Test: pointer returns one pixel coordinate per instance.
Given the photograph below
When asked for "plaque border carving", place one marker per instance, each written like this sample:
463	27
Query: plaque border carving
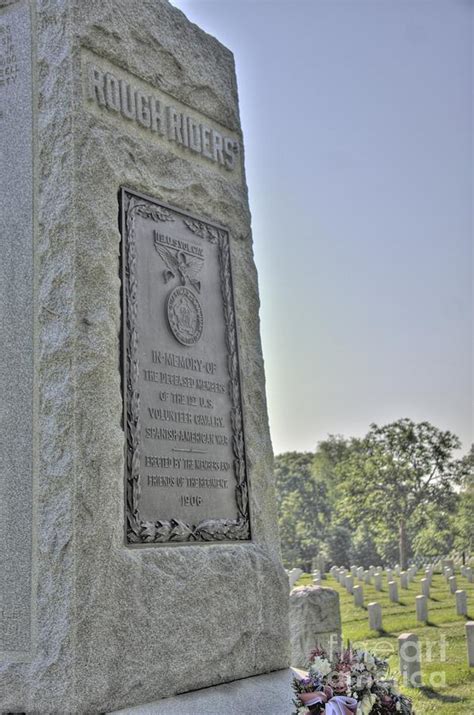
174	531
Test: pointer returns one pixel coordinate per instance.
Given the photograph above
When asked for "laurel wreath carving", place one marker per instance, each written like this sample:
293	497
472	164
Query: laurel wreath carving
138	530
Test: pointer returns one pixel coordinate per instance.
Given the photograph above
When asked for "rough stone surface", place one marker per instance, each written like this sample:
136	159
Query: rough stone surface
16	319
315	619
271	692
118	626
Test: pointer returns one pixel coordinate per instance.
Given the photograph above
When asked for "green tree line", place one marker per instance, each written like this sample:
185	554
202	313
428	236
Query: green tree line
398	494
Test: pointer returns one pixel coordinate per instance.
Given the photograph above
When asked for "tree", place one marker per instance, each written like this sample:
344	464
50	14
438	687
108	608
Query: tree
398	470
464	525
303	509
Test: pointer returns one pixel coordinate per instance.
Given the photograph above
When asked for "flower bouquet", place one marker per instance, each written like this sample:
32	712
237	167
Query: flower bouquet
351	683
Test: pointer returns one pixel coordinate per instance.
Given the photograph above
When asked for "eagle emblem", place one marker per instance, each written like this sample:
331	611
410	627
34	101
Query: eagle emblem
179	265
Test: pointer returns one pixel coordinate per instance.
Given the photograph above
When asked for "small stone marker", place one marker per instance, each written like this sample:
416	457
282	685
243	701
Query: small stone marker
378	581
317	581
404	579
448	563
360	573
461	603
397	570
393	591
349	583
421	609
375	616
371	570
409	656
468	573
293	576
425	587
358	596
389	574
367	577
447	574
354	571
453	587
470	643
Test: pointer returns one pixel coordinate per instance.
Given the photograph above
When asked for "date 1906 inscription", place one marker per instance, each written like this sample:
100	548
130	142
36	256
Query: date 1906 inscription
186	476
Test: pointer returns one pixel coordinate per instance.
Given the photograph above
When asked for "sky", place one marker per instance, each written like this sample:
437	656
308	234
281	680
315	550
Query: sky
357	120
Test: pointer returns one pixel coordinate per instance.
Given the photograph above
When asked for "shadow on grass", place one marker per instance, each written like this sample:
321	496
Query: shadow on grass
431	624
432	694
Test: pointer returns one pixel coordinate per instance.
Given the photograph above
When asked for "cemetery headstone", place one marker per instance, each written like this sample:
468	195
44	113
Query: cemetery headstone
470	643
404	579
452	582
425	587
293	576
461	603
358	596
349	583
378	581
410	659
315	620
393	591
367	577
375	616
140	509
421	609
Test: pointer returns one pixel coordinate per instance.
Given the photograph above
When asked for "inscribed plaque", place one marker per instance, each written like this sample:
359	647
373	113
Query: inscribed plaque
186	476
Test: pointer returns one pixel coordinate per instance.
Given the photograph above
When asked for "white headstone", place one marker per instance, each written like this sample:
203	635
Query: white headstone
452	584
378	581
349	583
404	579
425	587
358	596
375	616
421	609
367	577
393	591
461	603
470	643
409	657
293	576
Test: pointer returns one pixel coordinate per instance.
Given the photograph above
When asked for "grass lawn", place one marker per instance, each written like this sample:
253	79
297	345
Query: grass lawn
448	683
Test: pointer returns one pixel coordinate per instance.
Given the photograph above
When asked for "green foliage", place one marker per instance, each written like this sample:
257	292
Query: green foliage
303	508
396	494
399	470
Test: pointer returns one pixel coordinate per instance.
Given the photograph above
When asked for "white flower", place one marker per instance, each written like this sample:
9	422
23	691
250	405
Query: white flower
369	660
320	666
366	704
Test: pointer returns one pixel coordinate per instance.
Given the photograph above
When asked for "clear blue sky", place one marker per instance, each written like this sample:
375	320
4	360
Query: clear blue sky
357	119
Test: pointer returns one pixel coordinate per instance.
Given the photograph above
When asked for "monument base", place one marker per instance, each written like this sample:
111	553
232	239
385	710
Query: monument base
268	694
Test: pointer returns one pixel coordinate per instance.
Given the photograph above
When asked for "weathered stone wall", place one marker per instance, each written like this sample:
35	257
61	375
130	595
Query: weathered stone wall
117	626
